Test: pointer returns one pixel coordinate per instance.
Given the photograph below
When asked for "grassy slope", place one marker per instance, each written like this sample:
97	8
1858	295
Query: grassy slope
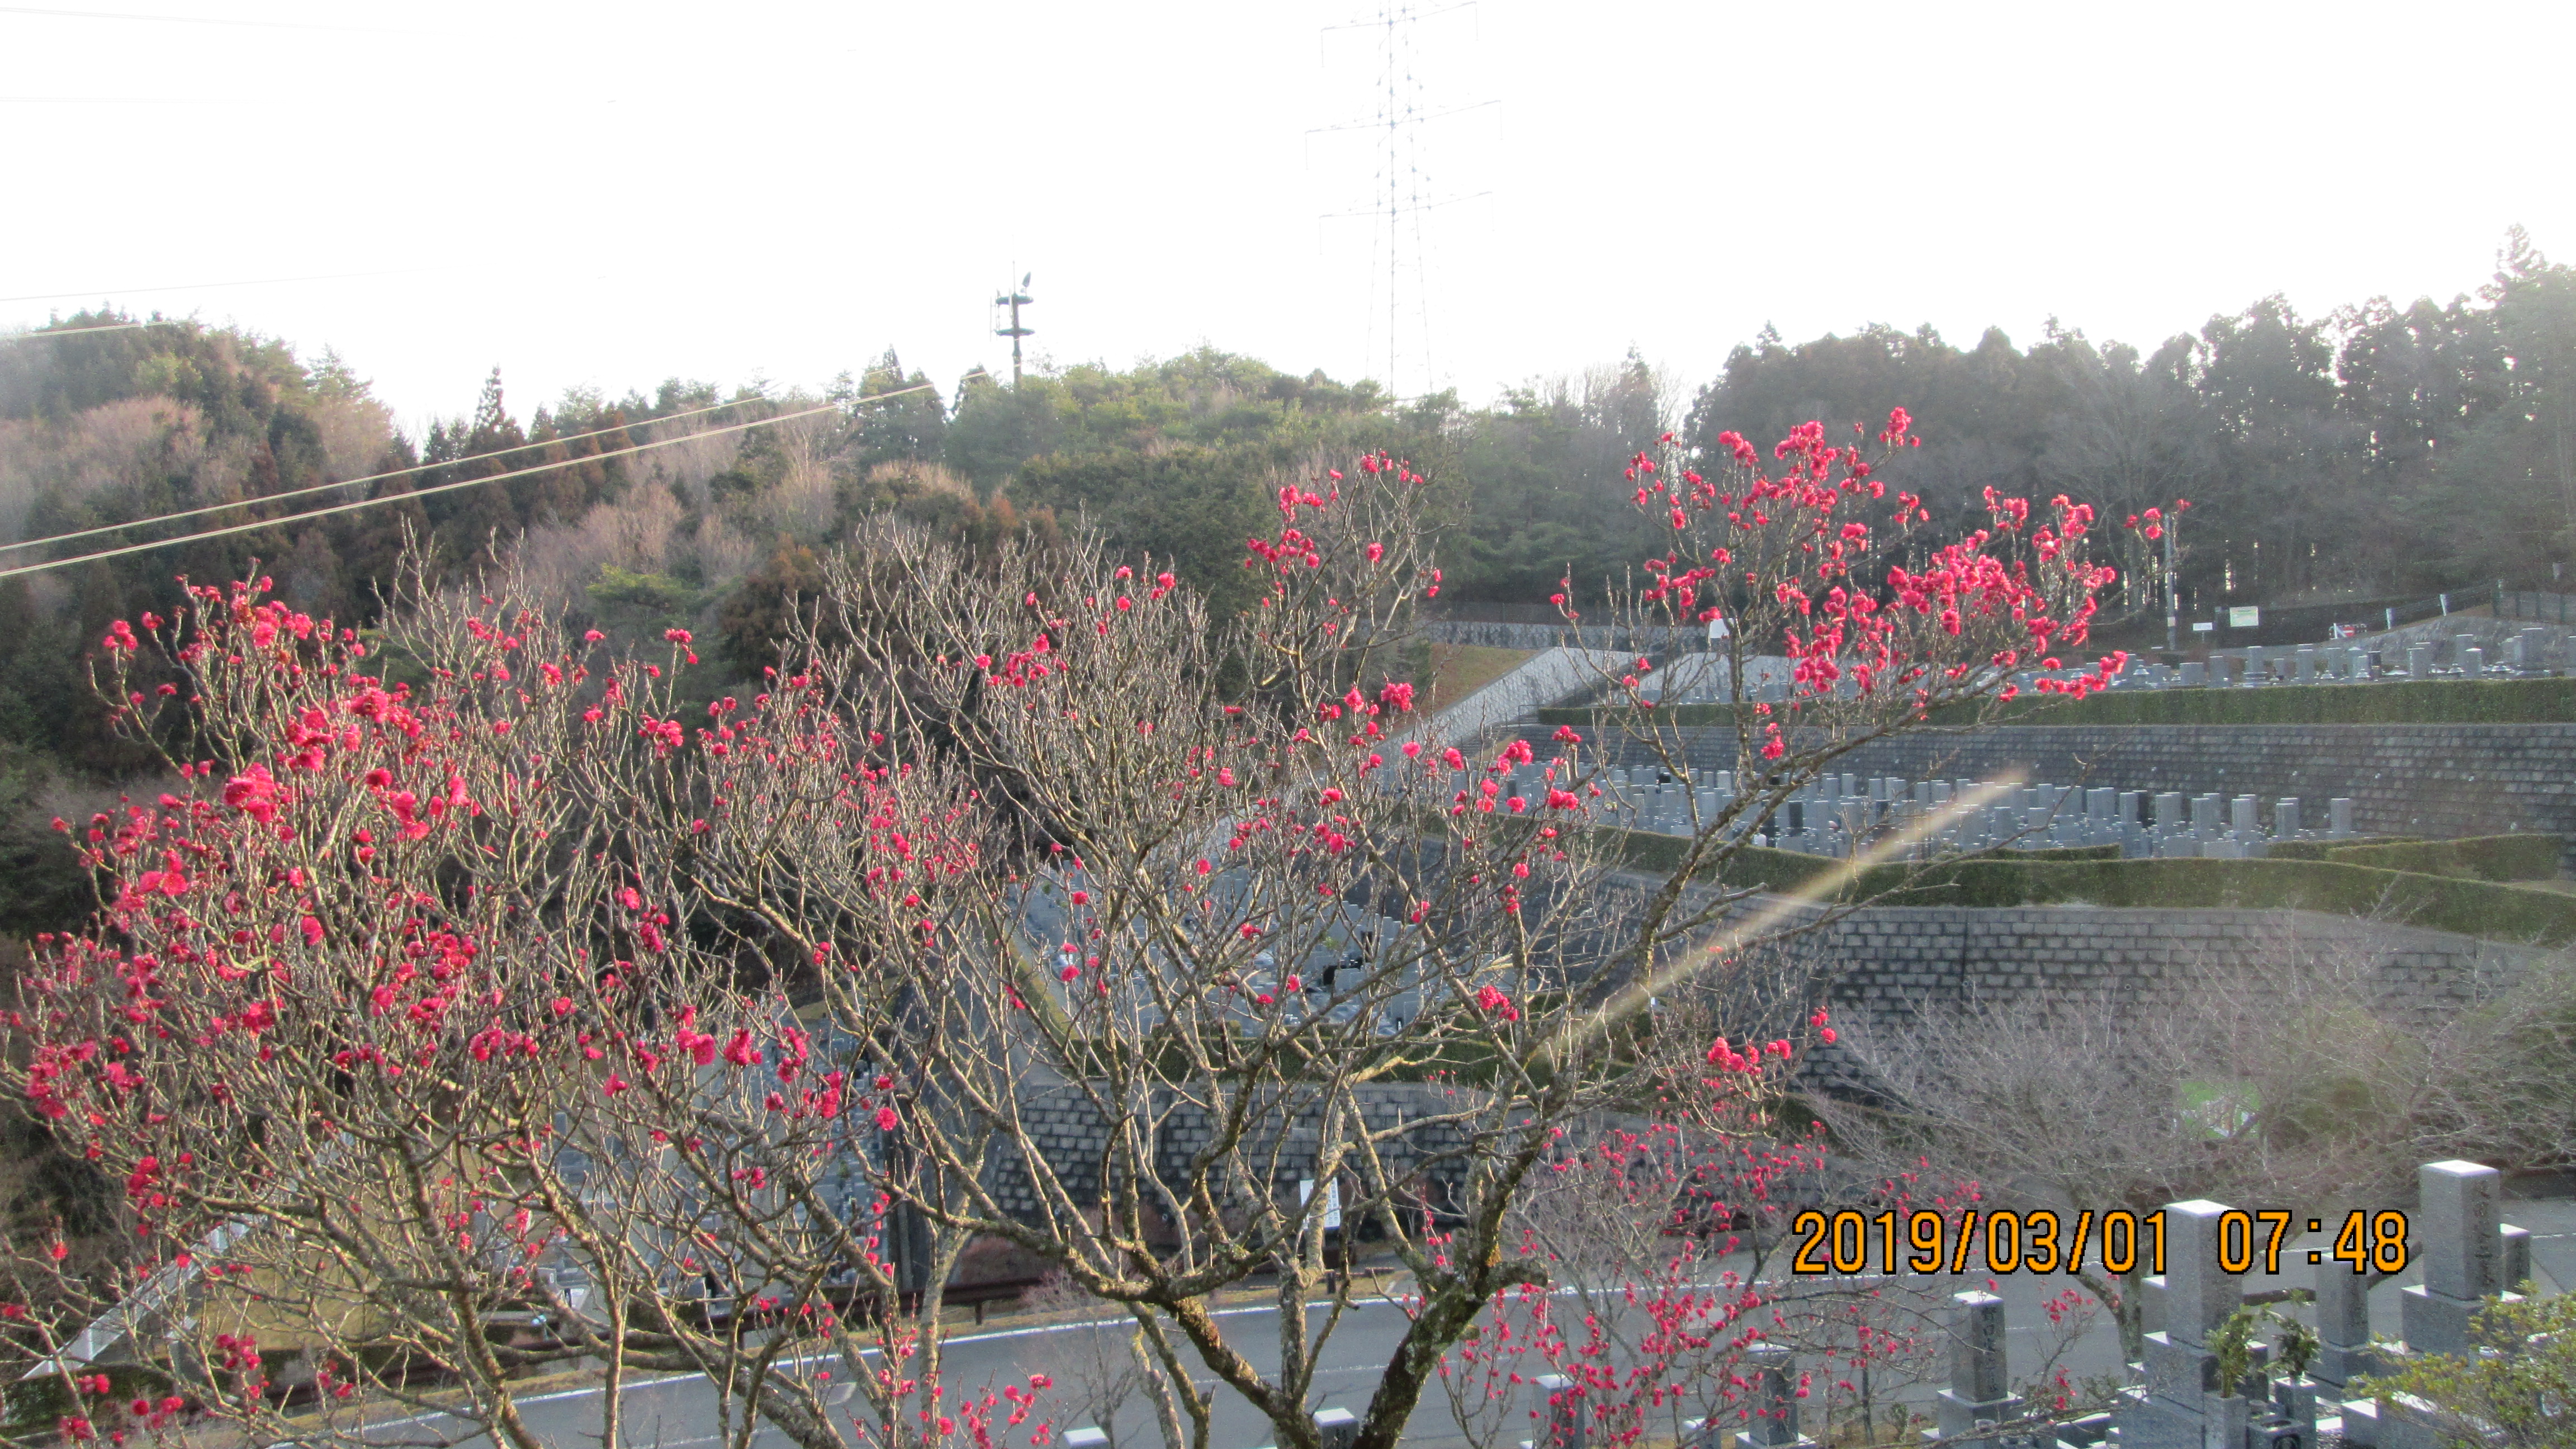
1459	670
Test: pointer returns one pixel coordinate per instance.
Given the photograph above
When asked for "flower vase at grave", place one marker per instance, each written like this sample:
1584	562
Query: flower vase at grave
2228	1418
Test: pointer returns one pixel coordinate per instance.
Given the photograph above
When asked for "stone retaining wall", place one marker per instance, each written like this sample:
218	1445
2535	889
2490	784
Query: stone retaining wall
1895	960
1074	1139
1890	962
1656	642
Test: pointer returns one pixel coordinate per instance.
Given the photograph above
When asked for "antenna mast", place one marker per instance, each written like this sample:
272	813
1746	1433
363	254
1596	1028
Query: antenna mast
1015	299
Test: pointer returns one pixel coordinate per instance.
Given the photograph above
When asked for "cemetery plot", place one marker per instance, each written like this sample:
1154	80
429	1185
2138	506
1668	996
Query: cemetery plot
2207	1377
1841	816
2533	652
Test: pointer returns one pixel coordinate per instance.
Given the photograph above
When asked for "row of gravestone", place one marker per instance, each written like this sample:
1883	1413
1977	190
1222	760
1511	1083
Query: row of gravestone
1840	815
2178	1402
2533	652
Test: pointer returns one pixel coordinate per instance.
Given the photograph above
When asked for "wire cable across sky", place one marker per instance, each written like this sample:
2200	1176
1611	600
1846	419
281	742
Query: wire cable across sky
209	286
371	477
252	527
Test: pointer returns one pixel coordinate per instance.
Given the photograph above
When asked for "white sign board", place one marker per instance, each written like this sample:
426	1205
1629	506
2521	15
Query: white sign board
2203	626
1332	1201
2244	618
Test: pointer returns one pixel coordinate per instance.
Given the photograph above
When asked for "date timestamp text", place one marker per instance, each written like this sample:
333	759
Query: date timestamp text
1999	1243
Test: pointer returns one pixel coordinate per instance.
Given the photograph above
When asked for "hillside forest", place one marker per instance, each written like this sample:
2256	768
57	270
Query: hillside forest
2382	450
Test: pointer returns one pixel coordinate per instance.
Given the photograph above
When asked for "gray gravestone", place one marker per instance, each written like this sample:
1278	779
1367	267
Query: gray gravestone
2458	1227
2178	1406
2513	1256
1979	1390
1560	1413
1773	1370
2205	813
2462	1255
2343	1323
2198	1297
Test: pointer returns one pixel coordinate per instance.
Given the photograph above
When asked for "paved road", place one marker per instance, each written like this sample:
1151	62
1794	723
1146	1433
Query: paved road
679	1411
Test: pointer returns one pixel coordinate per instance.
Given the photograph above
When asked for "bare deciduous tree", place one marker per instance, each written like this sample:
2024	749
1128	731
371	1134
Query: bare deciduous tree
505	1019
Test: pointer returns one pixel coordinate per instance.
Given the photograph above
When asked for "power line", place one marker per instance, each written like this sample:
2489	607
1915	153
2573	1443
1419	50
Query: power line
1408	208
36	332
207	286
193	20
137	101
1382	20
425	492
369	478
1372	125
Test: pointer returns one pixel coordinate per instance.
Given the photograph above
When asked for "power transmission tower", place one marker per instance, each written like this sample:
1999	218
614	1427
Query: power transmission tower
1401	185
1015	299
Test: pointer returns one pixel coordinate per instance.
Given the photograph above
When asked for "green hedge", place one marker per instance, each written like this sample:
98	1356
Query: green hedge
2525	856
2325	849
2436	902
1790	870
2498	701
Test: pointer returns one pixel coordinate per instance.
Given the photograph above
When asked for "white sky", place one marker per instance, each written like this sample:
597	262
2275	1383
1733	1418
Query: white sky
609	194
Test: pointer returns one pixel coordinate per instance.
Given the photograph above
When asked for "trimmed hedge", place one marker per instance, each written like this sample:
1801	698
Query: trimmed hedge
1790	870
2325	849
2435	902
2526	856
2497	701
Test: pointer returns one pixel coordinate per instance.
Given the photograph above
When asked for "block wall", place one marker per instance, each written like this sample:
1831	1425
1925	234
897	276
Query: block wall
1892	961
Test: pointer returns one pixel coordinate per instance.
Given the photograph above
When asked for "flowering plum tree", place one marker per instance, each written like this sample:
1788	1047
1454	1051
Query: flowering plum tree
1836	620
464	1010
